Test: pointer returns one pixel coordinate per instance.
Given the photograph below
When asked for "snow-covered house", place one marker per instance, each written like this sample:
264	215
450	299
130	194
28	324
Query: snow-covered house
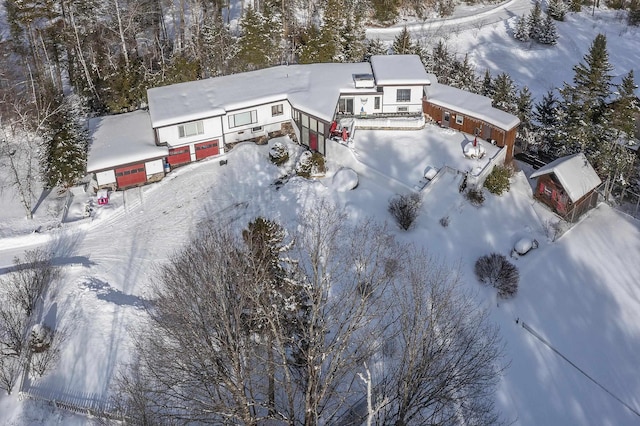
567	185
470	113
123	152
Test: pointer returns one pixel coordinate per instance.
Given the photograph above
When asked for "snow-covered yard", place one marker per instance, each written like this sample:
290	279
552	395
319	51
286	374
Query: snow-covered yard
579	292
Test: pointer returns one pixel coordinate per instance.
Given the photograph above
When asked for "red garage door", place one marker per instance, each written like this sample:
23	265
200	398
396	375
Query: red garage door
207	149
179	156
131	175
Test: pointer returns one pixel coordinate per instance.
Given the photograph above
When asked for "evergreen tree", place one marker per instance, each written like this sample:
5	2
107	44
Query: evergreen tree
545	115
65	151
548	32
255	44
504	95
534	21
633	17
402	44
464	76
217	47
586	116
521	31
626	107
524	106
557	9
487	88
385	11
353	41
374	47
442	62
309	50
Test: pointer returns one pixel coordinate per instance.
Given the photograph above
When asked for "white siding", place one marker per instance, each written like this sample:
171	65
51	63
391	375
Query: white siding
154	167
106	177
212	130
391	105
265	122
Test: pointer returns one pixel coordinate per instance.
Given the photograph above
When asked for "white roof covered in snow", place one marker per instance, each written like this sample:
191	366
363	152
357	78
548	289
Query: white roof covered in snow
575	174
121	139
390	70
469	104
314	88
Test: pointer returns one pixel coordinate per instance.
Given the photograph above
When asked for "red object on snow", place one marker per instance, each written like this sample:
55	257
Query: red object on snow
345	134
475	141
334	126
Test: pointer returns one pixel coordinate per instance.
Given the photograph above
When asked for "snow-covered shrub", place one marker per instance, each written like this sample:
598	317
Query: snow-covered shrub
444	221
498	180
554	229
475	196
405	209
494	269
557	9
310	164
278	154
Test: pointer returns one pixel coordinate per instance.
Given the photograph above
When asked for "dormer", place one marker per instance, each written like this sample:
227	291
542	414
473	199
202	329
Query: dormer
364	81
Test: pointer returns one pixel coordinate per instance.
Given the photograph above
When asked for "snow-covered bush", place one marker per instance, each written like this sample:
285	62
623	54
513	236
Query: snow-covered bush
475	196
310	164
278	154
444	221
405	209
498	180
494	269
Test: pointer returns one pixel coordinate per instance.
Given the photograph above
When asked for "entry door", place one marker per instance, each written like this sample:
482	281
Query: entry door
446	117
486	132
313	141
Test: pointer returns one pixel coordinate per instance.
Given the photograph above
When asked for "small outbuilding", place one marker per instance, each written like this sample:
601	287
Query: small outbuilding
567	185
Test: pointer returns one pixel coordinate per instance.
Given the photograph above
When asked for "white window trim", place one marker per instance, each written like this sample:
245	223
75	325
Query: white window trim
401	99
277	110
459	119
192	128
252	115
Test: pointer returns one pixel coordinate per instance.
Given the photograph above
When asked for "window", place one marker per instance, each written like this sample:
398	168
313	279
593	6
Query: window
376	102
403	109
256	129
243	118
459	119
190	129
345	105
403	95
276	110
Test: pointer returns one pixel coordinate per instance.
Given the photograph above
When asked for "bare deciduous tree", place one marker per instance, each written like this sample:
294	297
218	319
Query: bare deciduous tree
242	334
444	360
494	269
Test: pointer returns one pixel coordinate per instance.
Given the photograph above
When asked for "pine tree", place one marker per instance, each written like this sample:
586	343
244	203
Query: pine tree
545	115
521	32
557	9
442	62
534	21
66	150
626	107
255	44
374	47
402	44
504	95
309	50
217	47
353	41
487	87
464	76
548	32
524	106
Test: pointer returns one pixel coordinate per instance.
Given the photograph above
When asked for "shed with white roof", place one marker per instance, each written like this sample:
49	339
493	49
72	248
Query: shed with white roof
567	185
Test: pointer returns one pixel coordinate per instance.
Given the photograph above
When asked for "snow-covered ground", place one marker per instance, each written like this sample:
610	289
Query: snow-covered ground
580	293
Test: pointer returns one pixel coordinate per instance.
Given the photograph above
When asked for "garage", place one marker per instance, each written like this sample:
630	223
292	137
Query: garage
207	149
131	175
178	156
